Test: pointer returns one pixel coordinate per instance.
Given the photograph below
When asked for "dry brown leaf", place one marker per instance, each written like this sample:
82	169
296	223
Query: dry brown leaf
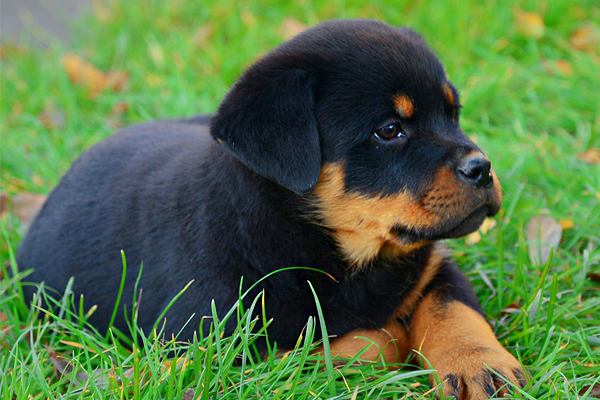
566	224
564	67
487	225
590	156
473	237
114	118
530	24
202	35
51	117
188	394
594	394
63	368
542	233
512	308
4	328
594	277
86	74
25	206
3	203
290	27
585	38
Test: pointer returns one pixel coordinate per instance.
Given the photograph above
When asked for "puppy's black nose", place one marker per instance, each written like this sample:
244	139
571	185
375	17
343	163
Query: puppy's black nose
476	170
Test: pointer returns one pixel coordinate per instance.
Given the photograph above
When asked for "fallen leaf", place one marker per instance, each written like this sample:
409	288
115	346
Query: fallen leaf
25	206
487	225
120	108
10	49
102	379
15	330
585	38
542	233
202	35
590	156
63	368
594	393
77	345
83	73
290	27
51	117
3	203
564	67
188	394
530	24
114	118
594	277
473	237
512	308
566	224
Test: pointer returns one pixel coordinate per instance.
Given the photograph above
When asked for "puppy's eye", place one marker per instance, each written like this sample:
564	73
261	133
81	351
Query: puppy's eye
455	113
389	131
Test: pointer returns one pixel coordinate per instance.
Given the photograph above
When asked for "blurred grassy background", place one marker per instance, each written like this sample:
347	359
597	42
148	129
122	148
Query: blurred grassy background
528	73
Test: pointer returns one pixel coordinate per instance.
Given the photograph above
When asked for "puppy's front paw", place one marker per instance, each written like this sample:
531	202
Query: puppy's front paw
455	340
478	373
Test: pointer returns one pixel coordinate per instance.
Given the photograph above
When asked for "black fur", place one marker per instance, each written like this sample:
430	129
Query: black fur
190	207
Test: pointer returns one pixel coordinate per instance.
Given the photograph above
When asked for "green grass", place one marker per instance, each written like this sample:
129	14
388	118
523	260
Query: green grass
531	118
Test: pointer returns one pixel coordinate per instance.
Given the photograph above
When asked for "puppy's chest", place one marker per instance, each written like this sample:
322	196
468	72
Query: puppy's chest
371	296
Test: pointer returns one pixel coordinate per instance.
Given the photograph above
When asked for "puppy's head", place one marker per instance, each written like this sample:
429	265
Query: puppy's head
359	117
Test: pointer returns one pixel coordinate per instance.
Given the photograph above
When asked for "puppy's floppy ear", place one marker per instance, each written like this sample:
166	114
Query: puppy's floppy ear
267	120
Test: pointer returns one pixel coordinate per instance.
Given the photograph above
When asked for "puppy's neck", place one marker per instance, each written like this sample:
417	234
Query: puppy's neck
363	226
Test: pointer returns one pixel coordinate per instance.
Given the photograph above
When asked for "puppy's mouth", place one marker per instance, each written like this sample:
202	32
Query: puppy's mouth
463	227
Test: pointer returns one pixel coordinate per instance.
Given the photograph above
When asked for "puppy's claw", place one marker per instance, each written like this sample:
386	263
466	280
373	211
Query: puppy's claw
485	384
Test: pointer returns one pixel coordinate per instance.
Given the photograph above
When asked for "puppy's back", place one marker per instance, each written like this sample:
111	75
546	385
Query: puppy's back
101	207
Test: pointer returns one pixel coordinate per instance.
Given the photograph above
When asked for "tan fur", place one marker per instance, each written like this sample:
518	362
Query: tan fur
362	225
457	340
449	95
389	344
404	106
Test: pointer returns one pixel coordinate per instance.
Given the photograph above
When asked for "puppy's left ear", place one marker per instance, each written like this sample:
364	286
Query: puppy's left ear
268	122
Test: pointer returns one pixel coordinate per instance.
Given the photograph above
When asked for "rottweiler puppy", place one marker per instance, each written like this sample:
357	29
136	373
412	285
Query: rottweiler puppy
340	151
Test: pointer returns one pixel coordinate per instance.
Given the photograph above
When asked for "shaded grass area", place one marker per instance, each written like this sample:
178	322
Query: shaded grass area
531	103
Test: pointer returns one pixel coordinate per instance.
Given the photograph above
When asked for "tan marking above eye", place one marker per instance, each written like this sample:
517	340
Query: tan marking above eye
449	94
404	106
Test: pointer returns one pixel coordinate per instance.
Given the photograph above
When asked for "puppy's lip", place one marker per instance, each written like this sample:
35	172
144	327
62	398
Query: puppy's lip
466	225
470	223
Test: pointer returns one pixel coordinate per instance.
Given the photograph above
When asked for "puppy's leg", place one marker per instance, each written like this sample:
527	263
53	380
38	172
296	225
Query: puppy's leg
454	337
390	345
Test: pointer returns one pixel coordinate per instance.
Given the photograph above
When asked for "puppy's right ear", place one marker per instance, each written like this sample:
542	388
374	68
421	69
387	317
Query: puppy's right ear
267	120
